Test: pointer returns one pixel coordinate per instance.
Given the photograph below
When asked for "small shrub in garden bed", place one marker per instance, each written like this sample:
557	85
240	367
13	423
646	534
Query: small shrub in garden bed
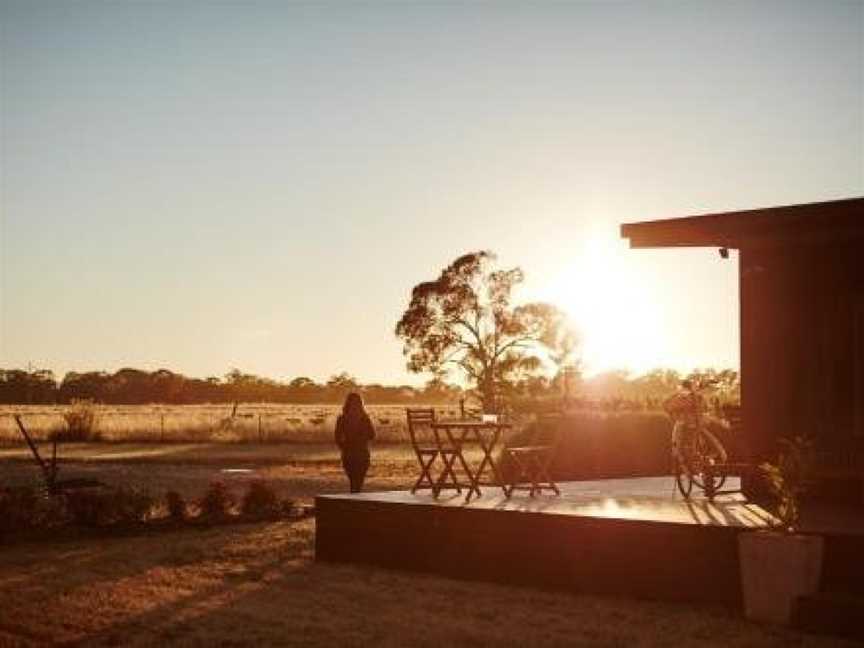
260	500
176	506
25	509
288	507
217	502
102	507
133	505
16	509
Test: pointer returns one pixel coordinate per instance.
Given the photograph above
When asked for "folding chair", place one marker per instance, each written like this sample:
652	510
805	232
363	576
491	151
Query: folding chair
428	448
530	463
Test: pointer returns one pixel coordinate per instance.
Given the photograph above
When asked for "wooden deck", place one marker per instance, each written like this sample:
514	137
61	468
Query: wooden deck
632	537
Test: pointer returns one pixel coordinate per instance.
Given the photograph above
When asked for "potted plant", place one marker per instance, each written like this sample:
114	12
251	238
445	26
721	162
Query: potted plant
780	564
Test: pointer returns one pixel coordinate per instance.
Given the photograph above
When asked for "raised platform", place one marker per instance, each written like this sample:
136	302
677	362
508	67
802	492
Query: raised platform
633	537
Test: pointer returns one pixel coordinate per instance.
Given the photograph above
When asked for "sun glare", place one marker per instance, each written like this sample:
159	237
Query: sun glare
620	324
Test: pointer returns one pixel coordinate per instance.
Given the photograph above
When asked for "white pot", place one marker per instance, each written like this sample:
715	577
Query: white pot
775	569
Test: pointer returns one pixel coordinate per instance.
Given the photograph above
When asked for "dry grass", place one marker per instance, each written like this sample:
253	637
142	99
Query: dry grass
258	585
253	422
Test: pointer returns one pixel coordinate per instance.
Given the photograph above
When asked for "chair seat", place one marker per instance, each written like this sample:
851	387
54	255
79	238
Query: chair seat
435	450
530	469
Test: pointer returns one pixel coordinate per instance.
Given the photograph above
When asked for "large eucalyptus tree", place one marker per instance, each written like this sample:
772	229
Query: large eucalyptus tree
465	318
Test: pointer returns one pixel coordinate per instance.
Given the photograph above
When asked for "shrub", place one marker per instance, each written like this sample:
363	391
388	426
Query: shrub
596	445
287	507
90	507
80	422
176	506
17	509
27	508
217	501
132	506
260	500
789	479
98	507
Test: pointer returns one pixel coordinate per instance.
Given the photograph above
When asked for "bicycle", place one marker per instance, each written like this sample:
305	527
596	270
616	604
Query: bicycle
698	456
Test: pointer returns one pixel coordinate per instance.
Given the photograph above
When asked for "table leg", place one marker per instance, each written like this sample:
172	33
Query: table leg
488	449
473	486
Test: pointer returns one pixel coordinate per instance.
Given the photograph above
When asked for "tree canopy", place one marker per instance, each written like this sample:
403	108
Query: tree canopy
465	319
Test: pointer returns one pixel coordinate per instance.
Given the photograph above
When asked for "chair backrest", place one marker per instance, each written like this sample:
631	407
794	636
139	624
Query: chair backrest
419	419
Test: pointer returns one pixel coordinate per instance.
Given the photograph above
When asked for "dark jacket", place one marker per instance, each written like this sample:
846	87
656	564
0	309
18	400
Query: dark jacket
354	436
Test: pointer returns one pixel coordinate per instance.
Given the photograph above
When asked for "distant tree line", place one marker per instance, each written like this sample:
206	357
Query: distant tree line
618	390
613	390
135	387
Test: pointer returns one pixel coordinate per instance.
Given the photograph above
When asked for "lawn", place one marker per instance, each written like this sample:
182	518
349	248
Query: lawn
258	584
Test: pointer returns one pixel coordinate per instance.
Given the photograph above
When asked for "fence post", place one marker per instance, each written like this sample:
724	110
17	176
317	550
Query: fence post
162	427
260	433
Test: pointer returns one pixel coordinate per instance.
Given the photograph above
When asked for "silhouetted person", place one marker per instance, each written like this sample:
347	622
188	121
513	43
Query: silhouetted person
354	431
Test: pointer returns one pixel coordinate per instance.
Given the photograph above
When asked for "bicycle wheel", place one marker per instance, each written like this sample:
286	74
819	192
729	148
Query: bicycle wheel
706	460
683	479
683	476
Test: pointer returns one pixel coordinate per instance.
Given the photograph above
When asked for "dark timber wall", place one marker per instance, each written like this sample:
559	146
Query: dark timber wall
802	342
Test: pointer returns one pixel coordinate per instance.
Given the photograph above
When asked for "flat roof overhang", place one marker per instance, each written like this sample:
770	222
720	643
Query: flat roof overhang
735	229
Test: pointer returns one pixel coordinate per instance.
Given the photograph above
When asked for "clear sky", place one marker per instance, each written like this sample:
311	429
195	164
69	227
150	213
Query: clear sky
200	186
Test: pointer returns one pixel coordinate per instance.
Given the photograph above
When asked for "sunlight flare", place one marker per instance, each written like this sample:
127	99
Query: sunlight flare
613	308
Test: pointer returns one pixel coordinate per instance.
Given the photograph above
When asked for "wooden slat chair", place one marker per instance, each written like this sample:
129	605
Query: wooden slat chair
530	463
428	448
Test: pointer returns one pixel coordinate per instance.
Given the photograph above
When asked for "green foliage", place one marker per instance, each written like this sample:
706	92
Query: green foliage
217	501
789	478
176	506
260	500
80	422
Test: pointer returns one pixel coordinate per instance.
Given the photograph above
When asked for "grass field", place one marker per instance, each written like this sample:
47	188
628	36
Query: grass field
258	584
252	422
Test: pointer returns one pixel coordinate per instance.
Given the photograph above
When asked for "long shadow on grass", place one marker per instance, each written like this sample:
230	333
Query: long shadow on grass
93	562
199	605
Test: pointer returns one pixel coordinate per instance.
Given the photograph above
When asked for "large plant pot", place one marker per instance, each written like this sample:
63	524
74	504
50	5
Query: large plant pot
776	568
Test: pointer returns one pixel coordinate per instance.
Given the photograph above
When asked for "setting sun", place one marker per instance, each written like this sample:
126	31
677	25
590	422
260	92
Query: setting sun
620	323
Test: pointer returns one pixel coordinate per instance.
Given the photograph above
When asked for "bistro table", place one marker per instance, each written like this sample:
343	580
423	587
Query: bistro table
457	434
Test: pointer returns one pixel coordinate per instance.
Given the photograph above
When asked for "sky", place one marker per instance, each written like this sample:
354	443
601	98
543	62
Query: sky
200	186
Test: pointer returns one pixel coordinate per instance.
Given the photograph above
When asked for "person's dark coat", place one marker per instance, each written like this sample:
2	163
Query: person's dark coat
353	436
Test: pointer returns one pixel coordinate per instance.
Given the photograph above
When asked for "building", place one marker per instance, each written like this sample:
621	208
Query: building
801	282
